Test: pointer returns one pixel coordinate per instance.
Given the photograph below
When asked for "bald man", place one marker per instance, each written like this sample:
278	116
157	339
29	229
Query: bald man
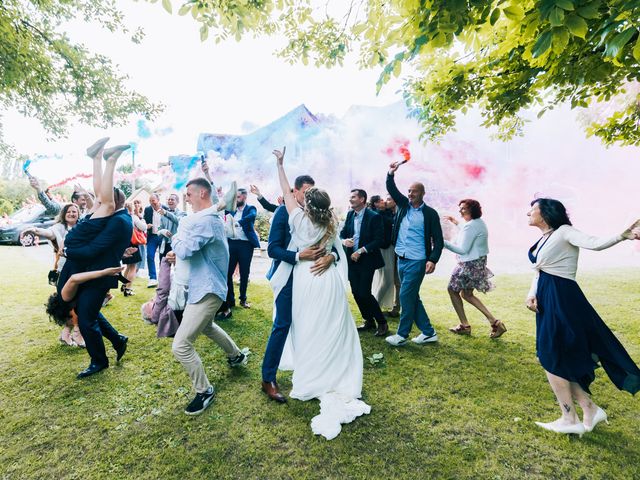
417	237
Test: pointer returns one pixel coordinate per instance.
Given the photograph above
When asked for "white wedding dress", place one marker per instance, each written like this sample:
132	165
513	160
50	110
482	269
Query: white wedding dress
322	348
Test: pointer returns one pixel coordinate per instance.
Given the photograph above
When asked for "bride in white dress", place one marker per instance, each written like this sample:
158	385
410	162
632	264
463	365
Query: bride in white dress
323	348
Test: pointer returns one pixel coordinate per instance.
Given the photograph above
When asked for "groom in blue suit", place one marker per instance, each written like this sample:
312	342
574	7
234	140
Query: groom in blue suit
279	239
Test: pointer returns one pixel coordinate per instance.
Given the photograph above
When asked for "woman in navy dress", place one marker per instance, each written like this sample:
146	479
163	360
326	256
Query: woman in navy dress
571	338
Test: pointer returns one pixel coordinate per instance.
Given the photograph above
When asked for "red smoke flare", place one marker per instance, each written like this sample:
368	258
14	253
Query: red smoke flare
400	146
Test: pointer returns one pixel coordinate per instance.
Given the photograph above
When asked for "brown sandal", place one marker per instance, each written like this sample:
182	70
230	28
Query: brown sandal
497	329
461	329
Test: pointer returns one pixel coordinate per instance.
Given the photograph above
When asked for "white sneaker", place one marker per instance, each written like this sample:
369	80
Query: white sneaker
396	340
422	338
152	283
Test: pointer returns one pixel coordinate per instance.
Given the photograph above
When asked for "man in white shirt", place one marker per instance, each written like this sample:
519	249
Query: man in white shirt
243	239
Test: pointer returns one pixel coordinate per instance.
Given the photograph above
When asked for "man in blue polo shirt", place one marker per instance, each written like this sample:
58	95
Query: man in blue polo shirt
417	236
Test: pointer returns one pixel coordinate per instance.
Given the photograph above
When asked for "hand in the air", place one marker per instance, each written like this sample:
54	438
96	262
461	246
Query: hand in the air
33	181
394	166
255	190
280	155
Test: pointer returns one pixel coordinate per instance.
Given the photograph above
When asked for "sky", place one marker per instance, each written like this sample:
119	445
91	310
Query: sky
234	87
205	87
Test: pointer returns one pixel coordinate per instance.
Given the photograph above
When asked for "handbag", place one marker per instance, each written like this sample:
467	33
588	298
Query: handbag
53	275
138	237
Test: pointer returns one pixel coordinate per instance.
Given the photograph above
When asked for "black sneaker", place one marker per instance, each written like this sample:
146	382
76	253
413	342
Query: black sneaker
239	360
200	402
224	315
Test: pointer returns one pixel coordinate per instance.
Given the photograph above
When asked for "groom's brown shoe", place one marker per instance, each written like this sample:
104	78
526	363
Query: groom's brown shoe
271	389
367	325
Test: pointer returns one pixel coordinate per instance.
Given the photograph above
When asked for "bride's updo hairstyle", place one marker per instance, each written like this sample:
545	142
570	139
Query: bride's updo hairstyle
318	207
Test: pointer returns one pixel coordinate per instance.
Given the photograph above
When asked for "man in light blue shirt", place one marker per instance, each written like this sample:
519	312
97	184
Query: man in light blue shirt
418	241
201	243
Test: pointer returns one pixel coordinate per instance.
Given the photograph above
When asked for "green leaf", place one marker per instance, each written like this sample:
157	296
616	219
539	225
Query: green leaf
166	4
590	10
560	40
636	50
542	44
577	26
615	46
495	15
359	28
556	18
565	4
514	13
204	33
184	9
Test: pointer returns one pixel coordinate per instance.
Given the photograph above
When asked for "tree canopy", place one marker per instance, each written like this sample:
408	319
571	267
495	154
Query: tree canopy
501	56
45	75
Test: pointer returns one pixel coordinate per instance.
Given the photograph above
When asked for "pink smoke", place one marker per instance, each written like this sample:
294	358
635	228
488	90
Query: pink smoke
399	145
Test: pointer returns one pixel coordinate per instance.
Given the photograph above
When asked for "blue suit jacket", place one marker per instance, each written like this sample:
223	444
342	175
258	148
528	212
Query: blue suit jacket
249	214
279	238
106	249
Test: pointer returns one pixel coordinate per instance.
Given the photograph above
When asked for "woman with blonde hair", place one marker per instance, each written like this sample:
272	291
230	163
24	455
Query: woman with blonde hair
323	348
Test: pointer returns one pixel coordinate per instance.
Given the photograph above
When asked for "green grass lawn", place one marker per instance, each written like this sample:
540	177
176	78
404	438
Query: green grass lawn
462	408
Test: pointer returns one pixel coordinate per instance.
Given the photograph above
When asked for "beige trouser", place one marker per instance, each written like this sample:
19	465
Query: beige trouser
196	319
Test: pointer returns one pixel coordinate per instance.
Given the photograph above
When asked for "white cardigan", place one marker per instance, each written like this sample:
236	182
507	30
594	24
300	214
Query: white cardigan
559	255
472	241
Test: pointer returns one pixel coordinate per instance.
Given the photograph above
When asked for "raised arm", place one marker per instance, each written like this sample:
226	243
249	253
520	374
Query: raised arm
289	200
277	247
582	240
50	206
400	199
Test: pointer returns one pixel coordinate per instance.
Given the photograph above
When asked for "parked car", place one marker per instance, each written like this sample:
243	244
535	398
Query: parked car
29	216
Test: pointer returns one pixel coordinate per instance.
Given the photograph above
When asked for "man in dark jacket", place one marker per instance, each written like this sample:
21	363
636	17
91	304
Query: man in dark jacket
417	236
362	236
103	251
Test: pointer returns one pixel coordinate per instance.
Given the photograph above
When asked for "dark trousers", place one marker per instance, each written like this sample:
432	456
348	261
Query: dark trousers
240	253
165	249
361	278
93	325
279	332
153	242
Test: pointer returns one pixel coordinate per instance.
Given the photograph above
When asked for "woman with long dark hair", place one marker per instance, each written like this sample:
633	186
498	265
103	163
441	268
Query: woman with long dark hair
570	335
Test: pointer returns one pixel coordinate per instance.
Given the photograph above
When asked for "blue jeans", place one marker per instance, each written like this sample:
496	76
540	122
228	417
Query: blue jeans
411	274
279	332
153	242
